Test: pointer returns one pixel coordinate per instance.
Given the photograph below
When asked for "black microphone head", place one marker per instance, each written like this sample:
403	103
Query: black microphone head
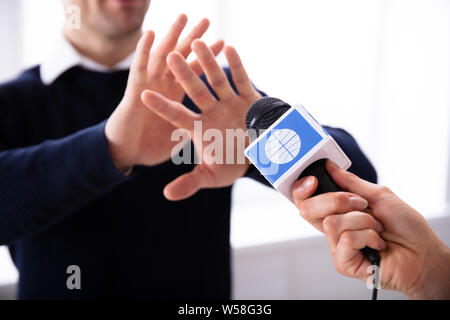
263	113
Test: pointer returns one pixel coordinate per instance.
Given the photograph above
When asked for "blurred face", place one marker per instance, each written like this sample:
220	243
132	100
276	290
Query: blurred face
111	18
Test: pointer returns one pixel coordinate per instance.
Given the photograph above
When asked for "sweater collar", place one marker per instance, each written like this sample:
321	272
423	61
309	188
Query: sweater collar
64	57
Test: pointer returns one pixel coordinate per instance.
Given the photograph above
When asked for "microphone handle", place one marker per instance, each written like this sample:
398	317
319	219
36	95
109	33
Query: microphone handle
327	184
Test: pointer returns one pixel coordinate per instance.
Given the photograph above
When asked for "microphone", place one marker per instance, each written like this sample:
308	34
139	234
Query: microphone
289	144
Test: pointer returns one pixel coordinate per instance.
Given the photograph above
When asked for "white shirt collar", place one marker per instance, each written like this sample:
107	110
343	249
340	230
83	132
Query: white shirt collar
63	57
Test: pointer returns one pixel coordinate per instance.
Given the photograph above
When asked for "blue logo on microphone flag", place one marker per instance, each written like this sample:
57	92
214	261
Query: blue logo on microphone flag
283	146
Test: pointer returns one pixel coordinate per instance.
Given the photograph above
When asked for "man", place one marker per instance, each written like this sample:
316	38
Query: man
414	260
85	156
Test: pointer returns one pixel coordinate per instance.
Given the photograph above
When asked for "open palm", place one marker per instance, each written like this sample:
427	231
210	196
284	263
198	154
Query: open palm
225	113
136	135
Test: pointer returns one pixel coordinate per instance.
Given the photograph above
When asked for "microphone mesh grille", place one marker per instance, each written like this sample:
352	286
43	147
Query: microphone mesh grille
264	112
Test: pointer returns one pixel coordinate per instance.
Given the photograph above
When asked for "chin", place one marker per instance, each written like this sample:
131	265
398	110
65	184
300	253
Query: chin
127	28
125	23
127	6
126	15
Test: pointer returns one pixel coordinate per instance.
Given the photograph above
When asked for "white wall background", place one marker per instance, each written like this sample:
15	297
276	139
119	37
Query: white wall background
378	68
303	269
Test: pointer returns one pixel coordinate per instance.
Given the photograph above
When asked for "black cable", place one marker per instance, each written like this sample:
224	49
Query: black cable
374	293
376	279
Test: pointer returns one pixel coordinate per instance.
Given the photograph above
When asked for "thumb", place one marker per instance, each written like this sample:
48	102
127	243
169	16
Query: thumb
303	189
186	185
352	183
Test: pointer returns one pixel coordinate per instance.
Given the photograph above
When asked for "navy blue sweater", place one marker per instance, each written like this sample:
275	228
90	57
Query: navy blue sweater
62	201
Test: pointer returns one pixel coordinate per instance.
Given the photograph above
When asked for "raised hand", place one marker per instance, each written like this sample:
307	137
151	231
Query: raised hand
136	135
226	112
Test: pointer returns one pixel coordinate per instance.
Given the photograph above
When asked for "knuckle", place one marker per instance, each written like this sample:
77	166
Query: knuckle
347	238
304	210
365	218
381	191
236	64
339	267
184	76
329	224
340	202
372	234
218	82
240	80
249	95
208	61
369	221
175	116
199	94
141	69
227	98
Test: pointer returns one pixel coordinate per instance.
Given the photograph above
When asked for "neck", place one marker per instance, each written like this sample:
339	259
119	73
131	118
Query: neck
108	51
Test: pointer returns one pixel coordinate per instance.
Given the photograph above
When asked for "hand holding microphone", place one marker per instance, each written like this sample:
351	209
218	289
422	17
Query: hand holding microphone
414	260
290	149
289	144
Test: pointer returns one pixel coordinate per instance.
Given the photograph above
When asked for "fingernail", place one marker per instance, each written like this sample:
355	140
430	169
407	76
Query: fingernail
308	183
358	203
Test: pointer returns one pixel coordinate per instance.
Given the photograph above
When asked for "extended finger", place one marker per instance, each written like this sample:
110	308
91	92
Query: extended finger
168	44
240	77
142	55
214	73
187	185
191	83
197	32
351	182
216	48
173	112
